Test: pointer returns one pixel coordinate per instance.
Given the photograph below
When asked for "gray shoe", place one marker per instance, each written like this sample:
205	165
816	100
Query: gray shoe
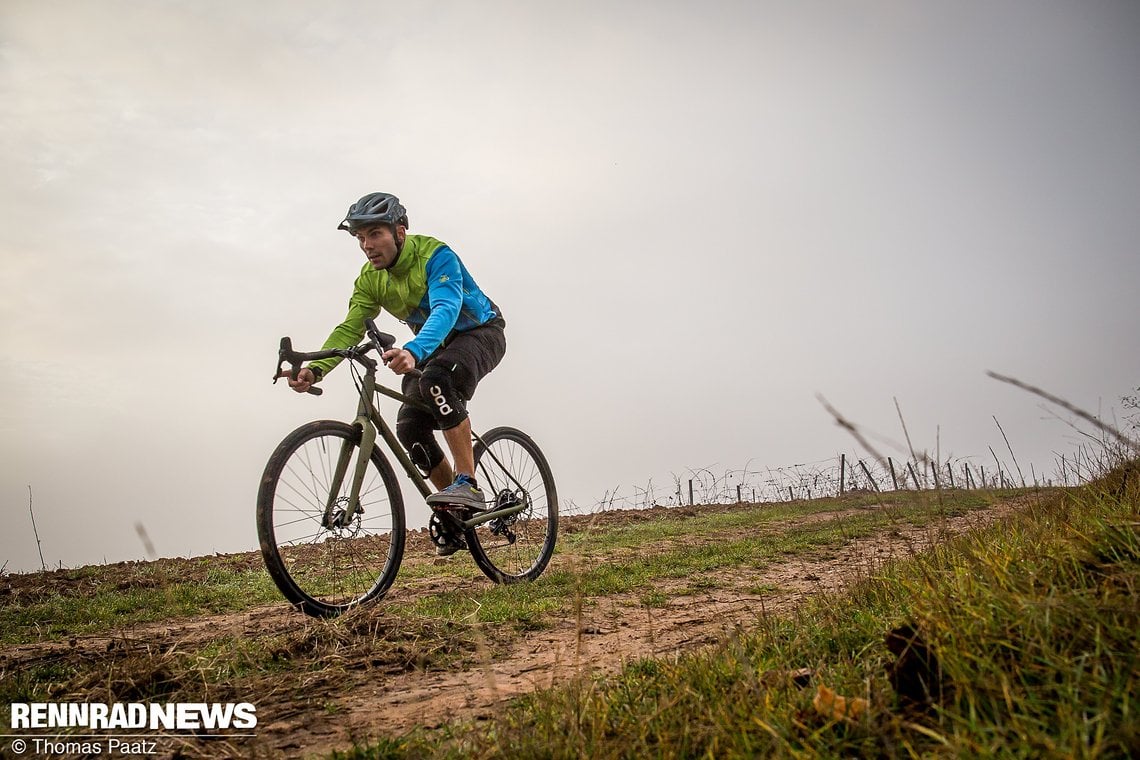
462	493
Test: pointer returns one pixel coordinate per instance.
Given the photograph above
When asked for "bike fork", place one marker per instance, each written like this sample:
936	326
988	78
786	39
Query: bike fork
367	442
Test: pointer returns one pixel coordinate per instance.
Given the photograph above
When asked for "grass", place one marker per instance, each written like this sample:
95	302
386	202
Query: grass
746	519
683	547
93	608
1033	623
695	560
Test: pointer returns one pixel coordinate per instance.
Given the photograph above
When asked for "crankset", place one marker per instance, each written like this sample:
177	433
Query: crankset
442	530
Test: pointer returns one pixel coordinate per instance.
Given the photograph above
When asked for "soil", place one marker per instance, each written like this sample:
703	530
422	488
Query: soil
384	678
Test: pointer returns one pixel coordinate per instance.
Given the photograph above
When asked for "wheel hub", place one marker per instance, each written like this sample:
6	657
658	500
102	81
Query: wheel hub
339	523
501	526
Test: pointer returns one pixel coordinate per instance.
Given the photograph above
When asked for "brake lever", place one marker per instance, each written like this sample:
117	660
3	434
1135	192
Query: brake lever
383	342
285	355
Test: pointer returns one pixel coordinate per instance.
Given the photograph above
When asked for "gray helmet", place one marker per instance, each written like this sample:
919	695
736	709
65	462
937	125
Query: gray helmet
374	208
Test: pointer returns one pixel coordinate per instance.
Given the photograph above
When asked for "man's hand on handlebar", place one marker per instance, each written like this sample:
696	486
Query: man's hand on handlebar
399	360
304	381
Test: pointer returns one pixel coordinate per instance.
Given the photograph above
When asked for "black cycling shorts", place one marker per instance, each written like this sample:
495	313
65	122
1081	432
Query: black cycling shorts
450	376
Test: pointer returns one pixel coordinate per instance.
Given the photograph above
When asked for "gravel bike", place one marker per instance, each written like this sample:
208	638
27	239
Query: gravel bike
330	513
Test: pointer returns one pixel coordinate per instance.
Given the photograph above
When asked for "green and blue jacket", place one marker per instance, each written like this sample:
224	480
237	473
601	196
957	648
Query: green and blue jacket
428	288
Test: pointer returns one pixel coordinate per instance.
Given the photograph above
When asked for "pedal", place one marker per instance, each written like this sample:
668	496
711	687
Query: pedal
455	510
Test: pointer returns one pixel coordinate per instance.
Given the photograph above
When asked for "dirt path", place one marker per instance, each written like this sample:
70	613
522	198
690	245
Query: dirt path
367	695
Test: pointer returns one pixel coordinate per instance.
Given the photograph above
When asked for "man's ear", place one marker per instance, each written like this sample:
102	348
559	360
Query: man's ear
401	233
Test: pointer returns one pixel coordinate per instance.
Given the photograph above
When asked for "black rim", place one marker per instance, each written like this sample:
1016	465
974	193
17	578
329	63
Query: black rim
511	469
325	569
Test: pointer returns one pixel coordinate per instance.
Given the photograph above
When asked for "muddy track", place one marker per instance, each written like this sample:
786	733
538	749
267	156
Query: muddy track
367	692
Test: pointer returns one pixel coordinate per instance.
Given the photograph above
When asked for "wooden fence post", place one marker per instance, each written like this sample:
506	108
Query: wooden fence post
874	485
842	473
894	480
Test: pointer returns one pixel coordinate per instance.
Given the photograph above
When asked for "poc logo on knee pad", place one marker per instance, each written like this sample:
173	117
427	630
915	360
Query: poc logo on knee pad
440	401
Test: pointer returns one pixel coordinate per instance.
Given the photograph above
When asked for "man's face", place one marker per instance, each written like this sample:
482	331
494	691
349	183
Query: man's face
379	245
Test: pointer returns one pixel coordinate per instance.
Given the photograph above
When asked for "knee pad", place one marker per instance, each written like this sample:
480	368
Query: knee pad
416	431
438	389
423	458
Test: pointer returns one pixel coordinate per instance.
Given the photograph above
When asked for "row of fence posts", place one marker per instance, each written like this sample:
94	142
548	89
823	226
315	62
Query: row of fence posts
900	478
968	482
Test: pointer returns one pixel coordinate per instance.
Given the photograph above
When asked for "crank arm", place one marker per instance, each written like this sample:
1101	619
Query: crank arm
484	517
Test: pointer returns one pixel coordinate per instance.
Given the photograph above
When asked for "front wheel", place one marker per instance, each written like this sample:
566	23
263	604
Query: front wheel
323	559
511	470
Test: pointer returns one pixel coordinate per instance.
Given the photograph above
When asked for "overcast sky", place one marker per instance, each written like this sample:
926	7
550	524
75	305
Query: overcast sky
695	216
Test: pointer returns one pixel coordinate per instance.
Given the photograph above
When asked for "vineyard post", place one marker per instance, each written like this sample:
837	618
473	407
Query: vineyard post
894	480
867	472
35	530
842	473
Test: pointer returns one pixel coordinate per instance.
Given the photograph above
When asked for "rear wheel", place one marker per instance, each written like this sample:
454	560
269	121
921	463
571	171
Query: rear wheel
325	566
511	470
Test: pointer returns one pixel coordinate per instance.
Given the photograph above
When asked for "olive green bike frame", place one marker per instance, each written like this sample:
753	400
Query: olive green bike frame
369	421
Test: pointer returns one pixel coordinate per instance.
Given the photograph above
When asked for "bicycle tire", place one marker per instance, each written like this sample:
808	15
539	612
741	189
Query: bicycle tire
508	464
325	571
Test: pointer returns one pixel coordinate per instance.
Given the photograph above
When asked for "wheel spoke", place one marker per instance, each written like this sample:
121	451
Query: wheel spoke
510	463
326	570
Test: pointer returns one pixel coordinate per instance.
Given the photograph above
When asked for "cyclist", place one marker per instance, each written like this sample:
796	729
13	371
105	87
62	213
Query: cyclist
459	338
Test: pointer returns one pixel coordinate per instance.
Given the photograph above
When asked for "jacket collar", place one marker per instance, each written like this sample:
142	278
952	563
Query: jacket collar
406	259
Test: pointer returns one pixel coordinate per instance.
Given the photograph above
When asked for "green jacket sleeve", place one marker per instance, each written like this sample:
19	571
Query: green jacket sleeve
348	333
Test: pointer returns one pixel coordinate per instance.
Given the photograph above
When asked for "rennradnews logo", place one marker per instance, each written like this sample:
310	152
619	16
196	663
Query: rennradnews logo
174	716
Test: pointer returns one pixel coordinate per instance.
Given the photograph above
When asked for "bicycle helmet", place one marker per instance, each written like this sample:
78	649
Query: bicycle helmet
374	208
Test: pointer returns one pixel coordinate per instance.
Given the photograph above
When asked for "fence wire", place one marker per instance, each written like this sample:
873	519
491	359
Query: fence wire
839	475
